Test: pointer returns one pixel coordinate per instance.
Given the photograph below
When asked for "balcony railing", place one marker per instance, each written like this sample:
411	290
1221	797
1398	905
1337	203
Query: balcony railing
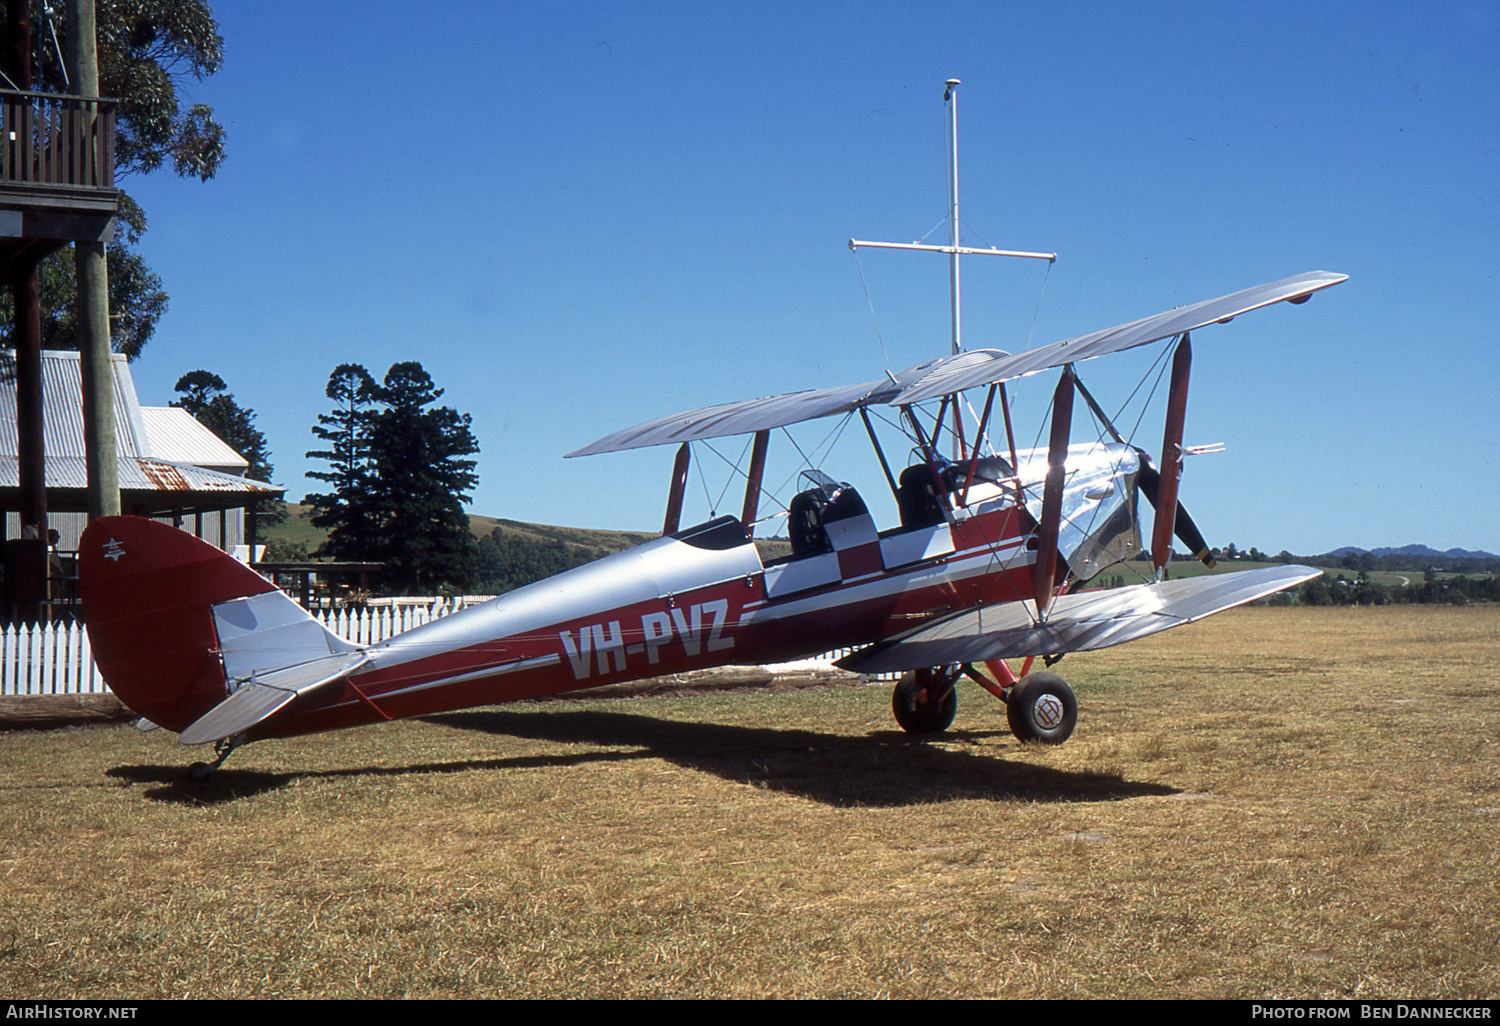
49	139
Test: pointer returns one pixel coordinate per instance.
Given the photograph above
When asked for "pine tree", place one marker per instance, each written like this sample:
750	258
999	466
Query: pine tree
421	482
207	398
401	478
346	511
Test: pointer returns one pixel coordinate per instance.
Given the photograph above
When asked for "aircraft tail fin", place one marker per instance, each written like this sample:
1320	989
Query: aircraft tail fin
226	648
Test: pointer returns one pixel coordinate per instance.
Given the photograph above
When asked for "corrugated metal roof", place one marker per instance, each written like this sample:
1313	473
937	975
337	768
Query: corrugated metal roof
62	406
137	473
177	437
161	451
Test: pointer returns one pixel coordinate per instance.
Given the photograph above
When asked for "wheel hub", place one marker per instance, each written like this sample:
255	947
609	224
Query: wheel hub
1048	711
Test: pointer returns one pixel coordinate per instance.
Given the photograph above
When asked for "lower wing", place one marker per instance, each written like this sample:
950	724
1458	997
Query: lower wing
1074	623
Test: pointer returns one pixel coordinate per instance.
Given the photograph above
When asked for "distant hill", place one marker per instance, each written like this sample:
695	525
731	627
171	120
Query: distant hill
1416	551
298	530
511	552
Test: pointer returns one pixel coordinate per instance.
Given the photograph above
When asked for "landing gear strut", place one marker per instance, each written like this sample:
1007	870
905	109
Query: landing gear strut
202	770
926	700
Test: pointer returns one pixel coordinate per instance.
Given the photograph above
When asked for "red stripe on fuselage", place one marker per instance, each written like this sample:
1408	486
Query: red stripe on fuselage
713	626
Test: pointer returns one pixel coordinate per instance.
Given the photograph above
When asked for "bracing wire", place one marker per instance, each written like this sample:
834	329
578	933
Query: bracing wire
871	302
730	478
1040	296
62	62
941	221
1161	360
707	498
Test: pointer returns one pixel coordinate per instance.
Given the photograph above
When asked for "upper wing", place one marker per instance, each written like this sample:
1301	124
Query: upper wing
985	367
752	415
949	374
1075	623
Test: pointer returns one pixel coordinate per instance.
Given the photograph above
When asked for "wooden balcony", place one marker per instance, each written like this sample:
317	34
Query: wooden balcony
57	172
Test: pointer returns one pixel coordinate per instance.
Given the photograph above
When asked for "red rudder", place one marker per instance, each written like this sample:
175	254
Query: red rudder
148	591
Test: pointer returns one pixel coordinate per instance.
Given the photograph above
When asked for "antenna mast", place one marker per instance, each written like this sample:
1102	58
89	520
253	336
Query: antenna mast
950	97
953	249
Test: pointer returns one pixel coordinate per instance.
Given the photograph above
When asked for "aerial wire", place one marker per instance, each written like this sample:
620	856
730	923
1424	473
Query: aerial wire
874	318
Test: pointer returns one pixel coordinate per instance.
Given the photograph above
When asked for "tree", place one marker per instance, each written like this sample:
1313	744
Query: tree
207	398
422	480
147	50
347	511
401	478
136	300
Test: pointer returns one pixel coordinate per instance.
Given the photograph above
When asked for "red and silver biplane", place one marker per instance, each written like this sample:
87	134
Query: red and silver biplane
985	565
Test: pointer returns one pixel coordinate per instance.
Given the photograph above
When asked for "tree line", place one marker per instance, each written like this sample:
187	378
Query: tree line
1361	591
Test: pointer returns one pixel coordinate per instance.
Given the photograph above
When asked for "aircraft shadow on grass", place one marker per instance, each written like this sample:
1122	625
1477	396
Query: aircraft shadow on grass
885	768
881	769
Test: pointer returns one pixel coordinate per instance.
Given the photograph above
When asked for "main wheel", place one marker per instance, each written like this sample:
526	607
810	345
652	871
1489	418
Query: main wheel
1042	707
925	701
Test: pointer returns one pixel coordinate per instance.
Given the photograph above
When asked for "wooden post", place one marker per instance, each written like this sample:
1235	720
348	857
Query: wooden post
96	364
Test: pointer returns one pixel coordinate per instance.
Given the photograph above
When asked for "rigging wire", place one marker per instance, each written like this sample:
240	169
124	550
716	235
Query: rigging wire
1162	361
708	499
1040	296
730	479
828	442
941	221
871	302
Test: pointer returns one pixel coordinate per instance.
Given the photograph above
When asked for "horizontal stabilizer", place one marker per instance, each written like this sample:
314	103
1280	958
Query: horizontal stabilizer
264	694
268	631
1075	623
273	651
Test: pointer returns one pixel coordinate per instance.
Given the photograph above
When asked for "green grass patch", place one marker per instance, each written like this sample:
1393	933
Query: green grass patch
1274	803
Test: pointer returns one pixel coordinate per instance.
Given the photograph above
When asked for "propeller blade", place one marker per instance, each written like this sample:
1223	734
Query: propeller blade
1148	480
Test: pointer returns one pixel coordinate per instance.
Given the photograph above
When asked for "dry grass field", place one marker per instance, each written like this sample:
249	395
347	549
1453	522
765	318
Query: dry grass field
1274	803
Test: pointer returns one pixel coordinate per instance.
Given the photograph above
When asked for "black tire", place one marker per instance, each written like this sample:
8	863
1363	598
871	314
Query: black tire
1041	707
925	701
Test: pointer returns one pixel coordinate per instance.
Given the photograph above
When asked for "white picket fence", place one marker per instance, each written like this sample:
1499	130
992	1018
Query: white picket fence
55	659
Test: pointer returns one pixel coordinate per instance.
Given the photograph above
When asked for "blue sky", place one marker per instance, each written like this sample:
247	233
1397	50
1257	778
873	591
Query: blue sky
581	216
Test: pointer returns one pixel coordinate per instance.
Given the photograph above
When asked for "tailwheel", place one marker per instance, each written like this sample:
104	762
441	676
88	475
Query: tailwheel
203	770
1041	707
926	700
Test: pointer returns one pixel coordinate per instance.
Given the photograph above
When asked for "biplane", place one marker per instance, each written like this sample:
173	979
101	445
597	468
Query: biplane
986	564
